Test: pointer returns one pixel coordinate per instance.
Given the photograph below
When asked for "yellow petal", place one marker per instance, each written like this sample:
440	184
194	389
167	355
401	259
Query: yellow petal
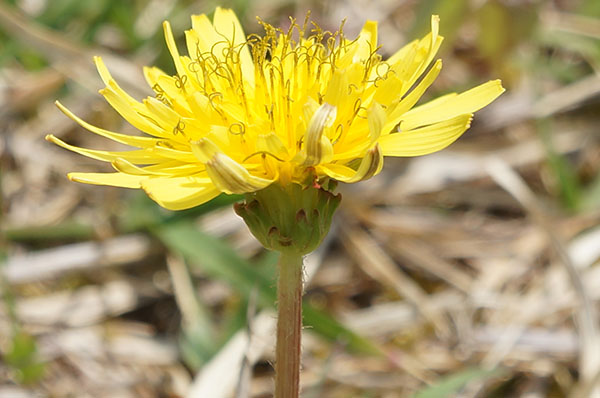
450	106
271	143
425	140
194	46
165	116
168	89
400	55
125	166
227	24
417	92
140	142
204	32
435	41
137	156
129	108
366	42
174	169
179	193
368	34
109	81
192	78
337	88
173	48
127	111
102	70
171	153
435	30
376	117
395	113
388	90
114	179
152	73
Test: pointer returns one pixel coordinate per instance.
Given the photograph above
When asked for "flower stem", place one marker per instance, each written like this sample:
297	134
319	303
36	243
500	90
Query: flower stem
289	326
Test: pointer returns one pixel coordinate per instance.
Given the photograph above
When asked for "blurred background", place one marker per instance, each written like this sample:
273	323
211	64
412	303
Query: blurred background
473	272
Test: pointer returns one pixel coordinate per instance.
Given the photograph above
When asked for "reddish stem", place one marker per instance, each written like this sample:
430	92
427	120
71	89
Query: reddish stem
289	326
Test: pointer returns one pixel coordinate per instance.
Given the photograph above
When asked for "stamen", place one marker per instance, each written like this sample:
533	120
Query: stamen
263	153
179	128
180	81
240	126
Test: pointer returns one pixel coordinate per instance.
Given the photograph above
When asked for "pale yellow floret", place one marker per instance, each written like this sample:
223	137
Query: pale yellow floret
228	175
316	146
370	165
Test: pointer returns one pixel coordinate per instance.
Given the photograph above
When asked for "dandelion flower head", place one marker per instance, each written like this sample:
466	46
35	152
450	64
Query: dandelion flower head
296	106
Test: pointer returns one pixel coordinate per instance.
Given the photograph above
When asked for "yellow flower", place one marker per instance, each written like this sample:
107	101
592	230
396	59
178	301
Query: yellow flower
299	106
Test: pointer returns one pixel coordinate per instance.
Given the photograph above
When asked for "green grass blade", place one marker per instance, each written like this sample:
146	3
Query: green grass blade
450	385
217	259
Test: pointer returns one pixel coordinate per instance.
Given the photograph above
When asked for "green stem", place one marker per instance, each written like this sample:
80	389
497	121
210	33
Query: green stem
289	326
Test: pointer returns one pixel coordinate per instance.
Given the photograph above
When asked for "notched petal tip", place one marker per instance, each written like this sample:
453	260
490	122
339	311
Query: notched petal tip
435	29
369	32
498	83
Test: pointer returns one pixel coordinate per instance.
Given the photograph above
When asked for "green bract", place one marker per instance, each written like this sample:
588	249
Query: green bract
291	218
